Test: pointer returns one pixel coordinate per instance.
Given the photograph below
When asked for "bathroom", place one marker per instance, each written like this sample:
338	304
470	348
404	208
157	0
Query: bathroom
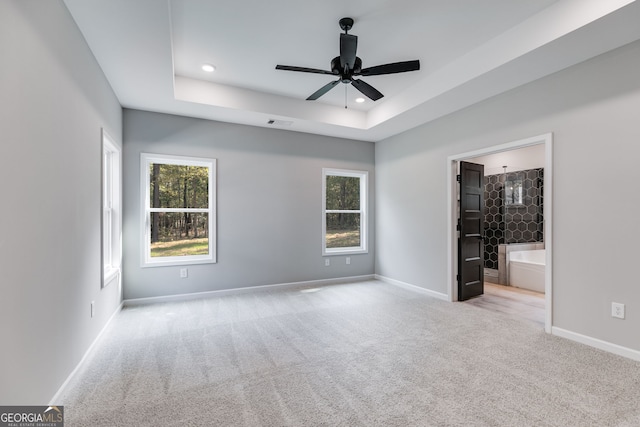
514	227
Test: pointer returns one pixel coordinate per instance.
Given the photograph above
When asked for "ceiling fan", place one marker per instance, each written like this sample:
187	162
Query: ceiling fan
348	65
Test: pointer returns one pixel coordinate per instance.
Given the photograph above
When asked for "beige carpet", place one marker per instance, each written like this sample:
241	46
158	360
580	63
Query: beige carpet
358	354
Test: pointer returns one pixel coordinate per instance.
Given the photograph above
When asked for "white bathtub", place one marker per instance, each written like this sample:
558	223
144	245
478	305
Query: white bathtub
526	269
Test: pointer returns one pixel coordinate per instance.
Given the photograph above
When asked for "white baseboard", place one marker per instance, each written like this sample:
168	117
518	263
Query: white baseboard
599	344
55	399
222	292
438	295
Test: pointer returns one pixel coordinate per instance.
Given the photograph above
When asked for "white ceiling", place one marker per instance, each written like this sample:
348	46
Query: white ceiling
151	52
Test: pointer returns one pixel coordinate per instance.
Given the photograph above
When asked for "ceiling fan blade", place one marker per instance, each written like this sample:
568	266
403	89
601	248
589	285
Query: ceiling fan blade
396	67
366	89
324	89
302	69
348	47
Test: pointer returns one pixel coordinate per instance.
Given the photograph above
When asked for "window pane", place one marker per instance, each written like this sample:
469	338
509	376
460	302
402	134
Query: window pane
343	193
107	179
106	237
178	186
343	230
179	234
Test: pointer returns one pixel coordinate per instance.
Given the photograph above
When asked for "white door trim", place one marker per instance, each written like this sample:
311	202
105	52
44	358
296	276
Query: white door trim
452	244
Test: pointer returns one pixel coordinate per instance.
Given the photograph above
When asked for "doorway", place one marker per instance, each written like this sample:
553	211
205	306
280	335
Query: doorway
546	142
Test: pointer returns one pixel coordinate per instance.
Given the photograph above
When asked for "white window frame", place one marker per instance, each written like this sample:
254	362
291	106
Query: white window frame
146	159
363	211
111	209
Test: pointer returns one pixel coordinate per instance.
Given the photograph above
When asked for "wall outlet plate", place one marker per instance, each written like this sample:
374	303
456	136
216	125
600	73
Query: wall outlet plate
617	310
184	273
327	262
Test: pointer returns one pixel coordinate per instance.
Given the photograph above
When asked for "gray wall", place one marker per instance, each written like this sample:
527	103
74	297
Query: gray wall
592	109
269	203
54	102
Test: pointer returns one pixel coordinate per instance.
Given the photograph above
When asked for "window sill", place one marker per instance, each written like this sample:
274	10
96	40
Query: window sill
345	251
173	261
110	275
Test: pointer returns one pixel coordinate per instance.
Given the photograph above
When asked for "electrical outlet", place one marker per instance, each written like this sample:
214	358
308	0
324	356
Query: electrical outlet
92	307
327	262
617	310
348	260
184	273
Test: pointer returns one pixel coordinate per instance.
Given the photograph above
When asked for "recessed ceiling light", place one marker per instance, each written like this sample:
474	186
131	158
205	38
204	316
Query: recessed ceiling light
208	68
359	100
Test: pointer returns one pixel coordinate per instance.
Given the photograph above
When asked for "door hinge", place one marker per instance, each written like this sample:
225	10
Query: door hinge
457	277
458	225
458	178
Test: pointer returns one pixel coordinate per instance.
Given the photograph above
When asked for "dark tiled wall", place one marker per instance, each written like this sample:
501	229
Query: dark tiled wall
523	222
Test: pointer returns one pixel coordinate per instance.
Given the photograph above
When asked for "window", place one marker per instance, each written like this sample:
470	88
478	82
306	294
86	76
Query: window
178	210
344	200
111	209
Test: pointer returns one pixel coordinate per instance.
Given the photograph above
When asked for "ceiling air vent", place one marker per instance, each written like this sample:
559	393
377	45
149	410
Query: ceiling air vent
283	123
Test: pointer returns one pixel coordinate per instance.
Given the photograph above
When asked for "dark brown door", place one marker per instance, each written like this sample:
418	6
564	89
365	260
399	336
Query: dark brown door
471	226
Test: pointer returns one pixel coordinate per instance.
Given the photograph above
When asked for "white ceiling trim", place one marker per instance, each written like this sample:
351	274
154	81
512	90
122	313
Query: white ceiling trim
209	93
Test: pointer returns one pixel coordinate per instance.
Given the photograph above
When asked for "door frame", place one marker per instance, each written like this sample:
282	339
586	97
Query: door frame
452	257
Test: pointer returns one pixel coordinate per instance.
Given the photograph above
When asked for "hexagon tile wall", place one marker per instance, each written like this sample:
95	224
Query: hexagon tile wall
522	222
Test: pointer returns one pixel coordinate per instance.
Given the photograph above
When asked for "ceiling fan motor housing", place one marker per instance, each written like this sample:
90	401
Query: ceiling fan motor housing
337	69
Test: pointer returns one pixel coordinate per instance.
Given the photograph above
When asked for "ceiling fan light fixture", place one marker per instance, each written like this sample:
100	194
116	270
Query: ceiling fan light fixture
208	68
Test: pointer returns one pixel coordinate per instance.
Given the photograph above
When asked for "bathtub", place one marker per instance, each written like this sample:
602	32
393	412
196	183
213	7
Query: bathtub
526	269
